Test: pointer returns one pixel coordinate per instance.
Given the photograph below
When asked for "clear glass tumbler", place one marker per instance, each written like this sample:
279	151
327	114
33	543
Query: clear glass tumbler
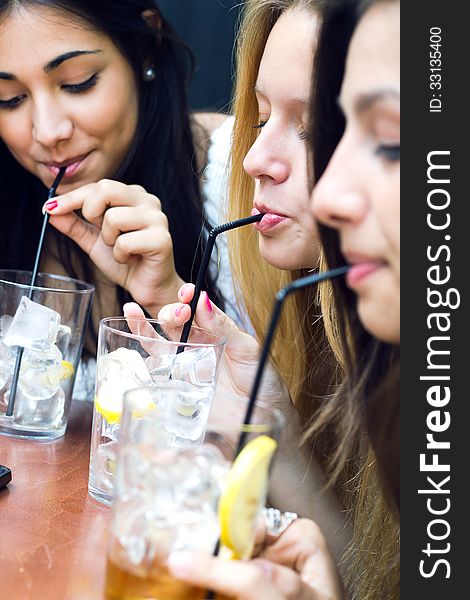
166	497
41	337
136	352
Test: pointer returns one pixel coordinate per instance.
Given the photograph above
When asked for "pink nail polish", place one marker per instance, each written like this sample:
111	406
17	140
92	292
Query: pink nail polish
208	303
51	204
178	311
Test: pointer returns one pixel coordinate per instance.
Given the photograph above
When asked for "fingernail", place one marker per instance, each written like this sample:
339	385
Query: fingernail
51	204
184	289
179	563
208	302
178	311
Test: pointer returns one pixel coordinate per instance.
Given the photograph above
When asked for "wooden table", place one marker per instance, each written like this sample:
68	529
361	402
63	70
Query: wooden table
52	534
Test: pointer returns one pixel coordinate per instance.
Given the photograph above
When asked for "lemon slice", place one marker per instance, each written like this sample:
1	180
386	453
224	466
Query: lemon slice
244	495
109	403
67	370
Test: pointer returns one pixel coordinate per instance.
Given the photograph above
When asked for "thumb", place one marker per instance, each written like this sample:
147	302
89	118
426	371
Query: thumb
81	232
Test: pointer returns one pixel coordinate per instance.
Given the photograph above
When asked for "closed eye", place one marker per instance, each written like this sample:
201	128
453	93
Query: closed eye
78	88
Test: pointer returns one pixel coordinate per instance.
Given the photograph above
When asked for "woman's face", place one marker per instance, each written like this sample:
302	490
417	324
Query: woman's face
359	193
278	158
67	97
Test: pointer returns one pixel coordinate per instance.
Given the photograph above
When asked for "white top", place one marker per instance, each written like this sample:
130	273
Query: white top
215	189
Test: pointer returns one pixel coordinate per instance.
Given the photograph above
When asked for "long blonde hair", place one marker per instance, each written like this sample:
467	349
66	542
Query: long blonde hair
300	333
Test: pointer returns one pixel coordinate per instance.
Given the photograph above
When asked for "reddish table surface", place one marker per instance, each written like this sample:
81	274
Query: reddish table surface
52	534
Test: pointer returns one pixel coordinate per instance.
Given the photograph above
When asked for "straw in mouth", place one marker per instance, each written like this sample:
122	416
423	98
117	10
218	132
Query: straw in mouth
19	354
213	233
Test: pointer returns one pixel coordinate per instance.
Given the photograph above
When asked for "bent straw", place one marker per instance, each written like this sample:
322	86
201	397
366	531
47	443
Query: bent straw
275	314
213	233
19	354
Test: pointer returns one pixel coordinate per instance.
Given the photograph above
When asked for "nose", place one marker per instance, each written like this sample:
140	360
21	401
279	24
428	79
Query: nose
266	159
338	198
51	123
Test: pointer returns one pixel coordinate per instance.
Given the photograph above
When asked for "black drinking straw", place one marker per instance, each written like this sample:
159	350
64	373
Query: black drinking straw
213	233
19	353
275	314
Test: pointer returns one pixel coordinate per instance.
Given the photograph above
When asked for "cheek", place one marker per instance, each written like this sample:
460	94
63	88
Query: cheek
15	132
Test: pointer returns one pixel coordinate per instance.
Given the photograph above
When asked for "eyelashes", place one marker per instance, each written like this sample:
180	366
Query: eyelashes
389	153
78	88
72	88
11	103
303	135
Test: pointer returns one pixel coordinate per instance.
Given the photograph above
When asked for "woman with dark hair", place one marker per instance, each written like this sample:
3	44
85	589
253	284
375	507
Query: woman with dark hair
356	199
100	88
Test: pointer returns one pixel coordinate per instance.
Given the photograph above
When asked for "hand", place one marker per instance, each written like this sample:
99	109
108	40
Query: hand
298	565
241	353
125	233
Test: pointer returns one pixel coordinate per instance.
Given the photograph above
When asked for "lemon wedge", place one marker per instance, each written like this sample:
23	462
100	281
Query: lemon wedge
67	370
244	495
109	403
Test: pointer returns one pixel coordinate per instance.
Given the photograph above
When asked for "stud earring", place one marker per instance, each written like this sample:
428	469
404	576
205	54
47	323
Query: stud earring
149	73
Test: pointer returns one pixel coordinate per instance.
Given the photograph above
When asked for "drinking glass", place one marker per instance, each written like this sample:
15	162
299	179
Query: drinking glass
166	497
42	330
134	352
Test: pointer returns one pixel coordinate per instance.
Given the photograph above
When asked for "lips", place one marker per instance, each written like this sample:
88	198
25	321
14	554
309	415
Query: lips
361	268
71	164
269	221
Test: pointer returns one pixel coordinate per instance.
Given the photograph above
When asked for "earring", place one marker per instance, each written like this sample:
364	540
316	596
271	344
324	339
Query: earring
149	73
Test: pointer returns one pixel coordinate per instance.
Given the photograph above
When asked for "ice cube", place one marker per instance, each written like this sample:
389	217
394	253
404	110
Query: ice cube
105	465
34	326
62	340
5	322
7	364
124	363
159	366
40	373
186	408
46	413
195	365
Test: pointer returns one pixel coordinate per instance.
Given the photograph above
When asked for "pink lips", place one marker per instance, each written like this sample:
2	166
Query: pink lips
72	166
269	220
360	271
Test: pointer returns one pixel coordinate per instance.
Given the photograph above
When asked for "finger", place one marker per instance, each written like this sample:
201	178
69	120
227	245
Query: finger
242	580
176	313
304	548
82	233
144	243
186	293
136	322
302	539
121	219
93	199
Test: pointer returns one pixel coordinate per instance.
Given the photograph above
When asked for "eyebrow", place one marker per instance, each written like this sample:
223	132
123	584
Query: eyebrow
54	63
365	101
293	101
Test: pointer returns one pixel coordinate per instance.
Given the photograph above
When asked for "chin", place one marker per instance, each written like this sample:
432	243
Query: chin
383	324
286	258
